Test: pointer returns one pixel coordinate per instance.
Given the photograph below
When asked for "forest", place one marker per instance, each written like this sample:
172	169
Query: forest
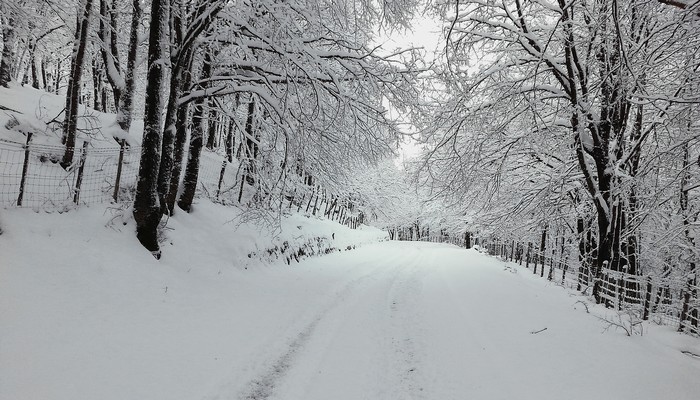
561	131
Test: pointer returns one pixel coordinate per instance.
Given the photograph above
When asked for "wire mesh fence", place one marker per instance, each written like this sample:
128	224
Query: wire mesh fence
31	175
666	300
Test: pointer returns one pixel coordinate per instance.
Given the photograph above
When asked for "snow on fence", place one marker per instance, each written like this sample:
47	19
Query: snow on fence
31	175
671	301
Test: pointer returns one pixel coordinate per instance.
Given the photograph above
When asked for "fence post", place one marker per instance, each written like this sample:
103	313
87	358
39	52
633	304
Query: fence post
565	268
81	169
291	201
647	300
122	145
537	259
315	205
686	305
527	256
520	253
25	169
303	197
543	247
221	178
240	190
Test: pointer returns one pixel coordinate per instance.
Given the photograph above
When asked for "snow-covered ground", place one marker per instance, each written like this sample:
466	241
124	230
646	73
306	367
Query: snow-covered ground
85	313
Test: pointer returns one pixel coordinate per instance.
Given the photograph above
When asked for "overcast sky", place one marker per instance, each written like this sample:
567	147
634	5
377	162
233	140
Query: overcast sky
425	33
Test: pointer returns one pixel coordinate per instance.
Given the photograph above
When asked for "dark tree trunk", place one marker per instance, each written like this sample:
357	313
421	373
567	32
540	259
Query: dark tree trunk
196	142
213	124
251	147
57	81
110	53
44	78
177	128
8	53
543	243
96	84
184	32
126	99
468	239
178	153
33	69
168	179
147	211
230	140
72	97
192	169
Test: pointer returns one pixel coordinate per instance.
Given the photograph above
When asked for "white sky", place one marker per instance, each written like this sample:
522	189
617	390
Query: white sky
425	33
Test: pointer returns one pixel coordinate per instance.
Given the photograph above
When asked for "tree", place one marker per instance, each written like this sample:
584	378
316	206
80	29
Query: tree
147	212
8	38
70	122
581	74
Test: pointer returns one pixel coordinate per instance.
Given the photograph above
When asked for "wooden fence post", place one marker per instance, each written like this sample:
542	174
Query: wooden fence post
647	300
308	205
315	205
291	201
117	180
686	306
550	275
221	178
542	253
81	170
303	197
25	169
527	256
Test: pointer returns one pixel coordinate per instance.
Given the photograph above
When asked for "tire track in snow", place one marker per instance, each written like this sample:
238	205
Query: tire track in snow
407	336
263	387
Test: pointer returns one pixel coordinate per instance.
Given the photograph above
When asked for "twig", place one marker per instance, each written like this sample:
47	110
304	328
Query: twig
584	304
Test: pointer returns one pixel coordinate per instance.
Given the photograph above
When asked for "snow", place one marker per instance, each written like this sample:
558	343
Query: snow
86	313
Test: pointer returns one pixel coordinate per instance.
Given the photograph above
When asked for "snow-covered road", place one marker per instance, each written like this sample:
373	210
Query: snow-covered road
429	321
387	321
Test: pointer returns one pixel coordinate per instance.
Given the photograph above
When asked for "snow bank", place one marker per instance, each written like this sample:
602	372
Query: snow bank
81	299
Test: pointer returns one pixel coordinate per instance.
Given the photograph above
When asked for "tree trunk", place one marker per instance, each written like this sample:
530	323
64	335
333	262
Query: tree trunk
44	78
147	211
213	123
8	53
57	81
196	142
177	128
110	53
543	242
230	140
169	160
96	84
251	147
33	68
72	97
126	99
